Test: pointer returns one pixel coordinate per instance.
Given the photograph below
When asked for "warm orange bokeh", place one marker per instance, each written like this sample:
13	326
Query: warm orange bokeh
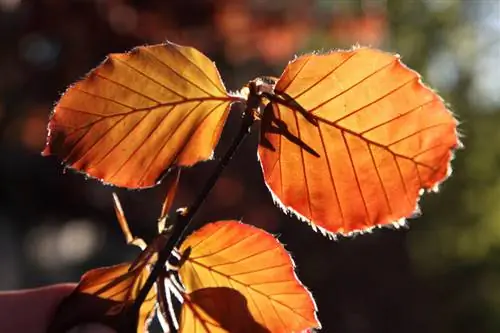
381	137
368	29
139	113
238	276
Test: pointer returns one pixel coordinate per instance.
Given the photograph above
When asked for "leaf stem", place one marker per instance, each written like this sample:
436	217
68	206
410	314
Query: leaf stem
183	221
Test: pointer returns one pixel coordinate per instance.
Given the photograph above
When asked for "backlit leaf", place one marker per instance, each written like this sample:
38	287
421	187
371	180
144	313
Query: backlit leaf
140	113
105	295
251	279
381	137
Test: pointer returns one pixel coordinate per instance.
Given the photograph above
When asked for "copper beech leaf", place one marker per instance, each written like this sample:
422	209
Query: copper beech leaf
139	113
239	278
105	295
379	138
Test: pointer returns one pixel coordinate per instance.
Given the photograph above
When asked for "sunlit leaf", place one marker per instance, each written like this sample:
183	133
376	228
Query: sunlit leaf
252	283
105	295
140	113
380	137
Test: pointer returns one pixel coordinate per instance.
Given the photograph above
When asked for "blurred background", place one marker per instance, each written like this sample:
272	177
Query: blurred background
440	275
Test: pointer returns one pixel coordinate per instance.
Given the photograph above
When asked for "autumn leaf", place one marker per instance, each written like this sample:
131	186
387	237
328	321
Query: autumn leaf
379	138
251	281
138	114
106	295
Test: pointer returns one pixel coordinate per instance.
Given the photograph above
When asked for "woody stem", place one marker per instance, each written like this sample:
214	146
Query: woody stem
185	220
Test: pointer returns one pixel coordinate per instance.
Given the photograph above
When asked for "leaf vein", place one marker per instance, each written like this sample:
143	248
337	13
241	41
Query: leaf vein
126	135
386	197
186	142
312	110
400	115
308	194
202	72
377	99
95	142
126	64
332	179
220	249
441	144
102	98
325	76
297	74
401	178
205	239
420	131
250	287
121	85
380	145
261	269
358	184
153	56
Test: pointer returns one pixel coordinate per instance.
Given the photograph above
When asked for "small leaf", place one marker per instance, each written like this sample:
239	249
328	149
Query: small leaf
266	292
140	113
381	137
105	295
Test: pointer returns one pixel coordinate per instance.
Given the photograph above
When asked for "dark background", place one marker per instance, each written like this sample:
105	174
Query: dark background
440	275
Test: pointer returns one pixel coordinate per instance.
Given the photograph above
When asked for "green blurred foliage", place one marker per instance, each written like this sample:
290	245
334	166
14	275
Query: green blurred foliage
455	247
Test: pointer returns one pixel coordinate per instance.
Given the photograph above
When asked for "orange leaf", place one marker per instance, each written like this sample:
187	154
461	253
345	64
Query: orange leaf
105	295
381	137
251	279
140	113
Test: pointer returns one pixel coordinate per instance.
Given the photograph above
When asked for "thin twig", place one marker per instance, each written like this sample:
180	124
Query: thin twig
183	221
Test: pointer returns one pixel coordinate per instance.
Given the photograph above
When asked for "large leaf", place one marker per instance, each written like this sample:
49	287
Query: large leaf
140	113
106	295
379	137
251	279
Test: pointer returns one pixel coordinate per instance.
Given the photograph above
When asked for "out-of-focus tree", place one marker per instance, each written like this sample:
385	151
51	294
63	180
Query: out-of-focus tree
455	247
